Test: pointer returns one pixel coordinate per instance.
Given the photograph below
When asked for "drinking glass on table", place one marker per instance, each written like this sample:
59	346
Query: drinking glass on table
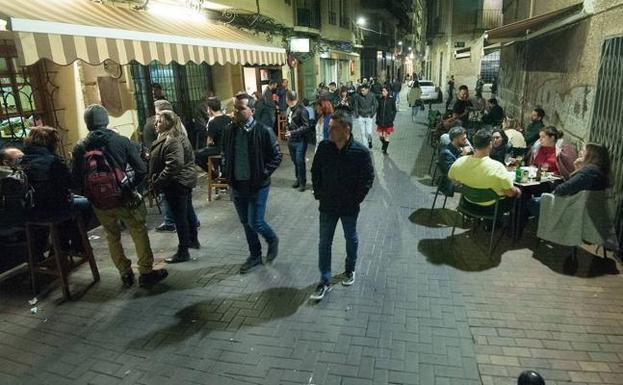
508	160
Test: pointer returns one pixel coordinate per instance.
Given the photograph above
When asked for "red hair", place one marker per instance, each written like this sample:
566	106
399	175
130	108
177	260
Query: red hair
325	107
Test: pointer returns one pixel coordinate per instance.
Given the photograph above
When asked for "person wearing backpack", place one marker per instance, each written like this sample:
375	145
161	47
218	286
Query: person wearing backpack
99	164
172	171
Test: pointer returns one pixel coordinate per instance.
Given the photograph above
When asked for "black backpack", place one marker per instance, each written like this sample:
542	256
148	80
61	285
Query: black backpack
15	196
103	180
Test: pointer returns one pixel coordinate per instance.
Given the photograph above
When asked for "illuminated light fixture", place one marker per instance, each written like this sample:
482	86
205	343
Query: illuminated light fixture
400	43
175	12
410	48
2	25
214	6
361	21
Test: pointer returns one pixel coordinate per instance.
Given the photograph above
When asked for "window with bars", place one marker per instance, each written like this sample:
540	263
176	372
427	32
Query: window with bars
22	101
344	14
606	124
332	13
185	86
490	66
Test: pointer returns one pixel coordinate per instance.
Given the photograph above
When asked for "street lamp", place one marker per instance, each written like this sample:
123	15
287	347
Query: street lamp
361	21
400	43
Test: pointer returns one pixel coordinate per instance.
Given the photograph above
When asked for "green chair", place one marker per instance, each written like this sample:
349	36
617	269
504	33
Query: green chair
475	195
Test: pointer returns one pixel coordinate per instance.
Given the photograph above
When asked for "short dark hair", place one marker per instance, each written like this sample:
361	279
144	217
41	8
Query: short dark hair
482	138
156	85
214	103
455	132
463	87
459	107
365	85
343	118
540	112
493	101
333	84
291	96
272	83
43	136
250	99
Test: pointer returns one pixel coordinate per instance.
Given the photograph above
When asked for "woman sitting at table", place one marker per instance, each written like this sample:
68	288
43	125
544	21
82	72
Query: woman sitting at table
512	130
500	148
592	173
552	154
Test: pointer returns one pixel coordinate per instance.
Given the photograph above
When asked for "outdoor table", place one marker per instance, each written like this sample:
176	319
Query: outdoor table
528	188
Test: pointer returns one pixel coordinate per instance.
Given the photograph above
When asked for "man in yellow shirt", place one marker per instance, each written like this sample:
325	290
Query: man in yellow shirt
480	171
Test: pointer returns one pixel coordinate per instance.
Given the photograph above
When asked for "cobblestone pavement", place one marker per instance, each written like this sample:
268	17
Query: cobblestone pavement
423	310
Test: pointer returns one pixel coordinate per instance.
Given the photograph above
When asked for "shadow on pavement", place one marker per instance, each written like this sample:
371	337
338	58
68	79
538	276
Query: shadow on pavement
464	251
435	218
203	317
587	265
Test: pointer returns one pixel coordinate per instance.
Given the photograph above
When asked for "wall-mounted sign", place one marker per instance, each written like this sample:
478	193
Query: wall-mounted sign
299	44
459	44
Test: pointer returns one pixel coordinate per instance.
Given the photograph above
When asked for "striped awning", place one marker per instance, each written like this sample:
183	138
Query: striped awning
64	31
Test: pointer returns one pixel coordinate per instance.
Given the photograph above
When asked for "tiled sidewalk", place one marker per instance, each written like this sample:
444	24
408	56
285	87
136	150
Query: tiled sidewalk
423	310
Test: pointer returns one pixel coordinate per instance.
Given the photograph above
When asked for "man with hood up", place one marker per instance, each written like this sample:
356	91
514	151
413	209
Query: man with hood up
119	152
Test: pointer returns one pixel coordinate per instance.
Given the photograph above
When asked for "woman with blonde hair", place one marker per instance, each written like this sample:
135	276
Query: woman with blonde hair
172	171
512	130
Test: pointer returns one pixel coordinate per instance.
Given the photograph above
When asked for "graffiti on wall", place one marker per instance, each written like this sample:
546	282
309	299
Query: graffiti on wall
568	109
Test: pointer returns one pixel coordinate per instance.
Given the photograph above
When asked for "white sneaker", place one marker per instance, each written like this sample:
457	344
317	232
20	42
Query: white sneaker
321	291
349	279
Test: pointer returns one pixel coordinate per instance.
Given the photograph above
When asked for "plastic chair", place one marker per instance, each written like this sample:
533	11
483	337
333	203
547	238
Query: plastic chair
477	196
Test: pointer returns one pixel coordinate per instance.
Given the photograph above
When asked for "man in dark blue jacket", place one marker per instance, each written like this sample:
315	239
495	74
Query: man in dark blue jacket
448	155
251	154
342	175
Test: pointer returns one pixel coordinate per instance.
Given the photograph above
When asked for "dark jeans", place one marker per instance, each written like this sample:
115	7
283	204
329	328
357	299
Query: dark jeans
251	208
328	222
297	153
180	201
167	213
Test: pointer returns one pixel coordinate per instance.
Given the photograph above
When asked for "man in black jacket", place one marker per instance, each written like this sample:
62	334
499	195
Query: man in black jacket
297	129
122	152
251	154
342	175
495	114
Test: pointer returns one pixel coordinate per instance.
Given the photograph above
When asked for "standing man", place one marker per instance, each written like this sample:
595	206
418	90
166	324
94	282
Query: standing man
119	152
266	111
281	93
297	128
364	107
531	134
251	154
334	95
396	88
450	92
342	175
479	85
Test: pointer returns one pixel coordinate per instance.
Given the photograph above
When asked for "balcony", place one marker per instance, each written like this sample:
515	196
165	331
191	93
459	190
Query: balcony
479	21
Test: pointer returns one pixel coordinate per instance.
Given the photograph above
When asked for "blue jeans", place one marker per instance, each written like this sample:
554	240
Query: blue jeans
179	201
251	209
534	206
297	153
328	222
167	212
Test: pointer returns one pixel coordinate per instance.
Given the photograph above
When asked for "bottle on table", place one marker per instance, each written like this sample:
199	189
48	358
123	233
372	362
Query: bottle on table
539	174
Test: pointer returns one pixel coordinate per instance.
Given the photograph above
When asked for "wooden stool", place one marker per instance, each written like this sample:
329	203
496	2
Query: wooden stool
214	180
64	262
281	128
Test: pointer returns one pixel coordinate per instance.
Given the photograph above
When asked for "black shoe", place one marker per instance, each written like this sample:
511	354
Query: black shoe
127	278
370	145
180	256
295	184
152	278
302	187
349	278
250	264
195	244
164	228
321	290
273	250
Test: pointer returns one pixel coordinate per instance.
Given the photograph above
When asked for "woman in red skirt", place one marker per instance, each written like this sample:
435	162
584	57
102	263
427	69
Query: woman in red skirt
385	115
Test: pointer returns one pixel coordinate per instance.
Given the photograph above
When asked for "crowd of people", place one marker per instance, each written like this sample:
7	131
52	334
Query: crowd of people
499	144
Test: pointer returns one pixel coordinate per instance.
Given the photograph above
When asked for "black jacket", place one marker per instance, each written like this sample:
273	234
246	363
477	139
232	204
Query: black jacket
386	112
494	117
588	178
264	154
447	156
172	161
120	148
300	126
342	178
50	179
266	110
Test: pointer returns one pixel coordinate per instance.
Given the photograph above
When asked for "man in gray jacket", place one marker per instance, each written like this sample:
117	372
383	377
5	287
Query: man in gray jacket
364	109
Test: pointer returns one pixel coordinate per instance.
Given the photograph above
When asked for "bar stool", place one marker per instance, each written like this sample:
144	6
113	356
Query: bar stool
63	261
214	180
